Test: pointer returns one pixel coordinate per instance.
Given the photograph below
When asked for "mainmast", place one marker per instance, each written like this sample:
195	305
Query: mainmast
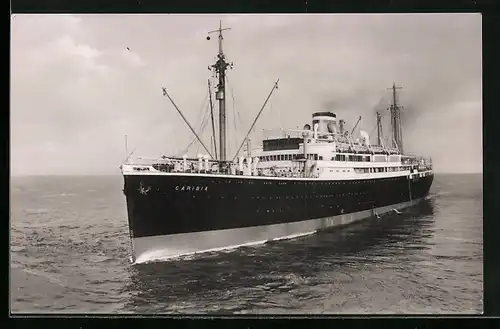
379	129
397	134
220	68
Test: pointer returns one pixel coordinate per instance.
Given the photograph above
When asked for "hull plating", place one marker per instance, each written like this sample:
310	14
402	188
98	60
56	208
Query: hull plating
169	246
175	205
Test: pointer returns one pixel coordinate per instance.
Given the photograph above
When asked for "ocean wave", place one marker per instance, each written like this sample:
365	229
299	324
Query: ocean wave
37	211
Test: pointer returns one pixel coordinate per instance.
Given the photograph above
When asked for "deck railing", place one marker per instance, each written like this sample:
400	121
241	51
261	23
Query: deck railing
249	167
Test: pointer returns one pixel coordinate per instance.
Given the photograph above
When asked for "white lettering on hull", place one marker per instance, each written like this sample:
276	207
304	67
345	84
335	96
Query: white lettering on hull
186	188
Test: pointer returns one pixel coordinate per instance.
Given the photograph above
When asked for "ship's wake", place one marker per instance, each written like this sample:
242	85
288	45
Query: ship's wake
163	255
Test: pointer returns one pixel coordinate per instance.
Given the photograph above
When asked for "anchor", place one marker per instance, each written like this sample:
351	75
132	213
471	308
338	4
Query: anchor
142	190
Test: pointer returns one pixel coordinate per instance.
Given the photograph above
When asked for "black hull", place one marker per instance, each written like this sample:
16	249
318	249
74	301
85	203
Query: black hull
173	204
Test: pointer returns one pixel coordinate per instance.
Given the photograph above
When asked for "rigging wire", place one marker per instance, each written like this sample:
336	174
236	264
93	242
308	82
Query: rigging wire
204	106
202	129
200	112
258	115
203	126
213	144
234	101
235	113
190	143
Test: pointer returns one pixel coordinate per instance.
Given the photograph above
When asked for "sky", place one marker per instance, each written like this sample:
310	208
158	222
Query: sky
76	90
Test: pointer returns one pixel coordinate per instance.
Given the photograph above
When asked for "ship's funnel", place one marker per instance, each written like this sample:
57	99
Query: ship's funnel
326	122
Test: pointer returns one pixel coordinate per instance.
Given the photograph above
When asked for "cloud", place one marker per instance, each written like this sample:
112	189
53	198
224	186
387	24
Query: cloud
66	95
132	58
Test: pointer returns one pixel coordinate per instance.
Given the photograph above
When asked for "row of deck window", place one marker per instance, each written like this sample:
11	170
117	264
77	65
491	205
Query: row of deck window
338	157
288	157
351	157
379	169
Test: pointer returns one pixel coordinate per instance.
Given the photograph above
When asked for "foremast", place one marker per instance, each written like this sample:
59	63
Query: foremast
220	68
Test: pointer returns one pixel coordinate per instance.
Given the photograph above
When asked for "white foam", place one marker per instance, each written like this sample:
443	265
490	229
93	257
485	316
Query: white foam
47	276
166	255
292	236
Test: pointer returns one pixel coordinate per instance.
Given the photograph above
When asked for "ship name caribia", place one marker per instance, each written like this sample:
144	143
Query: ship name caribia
198	188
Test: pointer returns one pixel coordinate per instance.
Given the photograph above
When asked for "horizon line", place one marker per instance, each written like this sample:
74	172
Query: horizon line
119	174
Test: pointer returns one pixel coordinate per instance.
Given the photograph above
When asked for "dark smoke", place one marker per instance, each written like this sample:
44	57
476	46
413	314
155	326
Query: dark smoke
359	102
339	100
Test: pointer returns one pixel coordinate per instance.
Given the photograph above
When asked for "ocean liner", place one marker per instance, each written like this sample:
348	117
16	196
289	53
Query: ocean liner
297	183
